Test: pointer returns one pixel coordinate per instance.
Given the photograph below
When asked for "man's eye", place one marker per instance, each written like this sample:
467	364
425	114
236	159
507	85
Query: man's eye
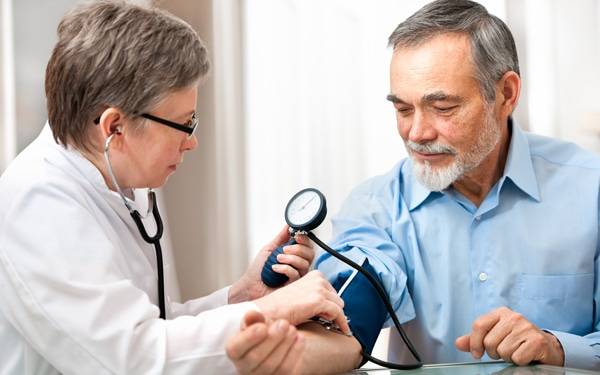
445	109
404	111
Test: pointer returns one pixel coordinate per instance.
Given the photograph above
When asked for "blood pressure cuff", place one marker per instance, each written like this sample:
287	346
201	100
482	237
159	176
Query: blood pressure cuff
364	308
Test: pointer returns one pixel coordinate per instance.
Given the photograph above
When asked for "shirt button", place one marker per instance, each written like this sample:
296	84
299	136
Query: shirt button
477	218
483	276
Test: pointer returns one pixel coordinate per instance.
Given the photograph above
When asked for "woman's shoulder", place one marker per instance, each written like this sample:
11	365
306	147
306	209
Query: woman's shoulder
39	175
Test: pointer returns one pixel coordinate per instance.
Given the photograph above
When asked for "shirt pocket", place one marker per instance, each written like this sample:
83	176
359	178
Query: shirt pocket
557	302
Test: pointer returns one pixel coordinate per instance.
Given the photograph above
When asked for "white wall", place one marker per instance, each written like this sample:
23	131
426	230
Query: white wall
205	199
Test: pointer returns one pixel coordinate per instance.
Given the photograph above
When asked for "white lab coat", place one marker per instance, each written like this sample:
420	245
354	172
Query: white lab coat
78	285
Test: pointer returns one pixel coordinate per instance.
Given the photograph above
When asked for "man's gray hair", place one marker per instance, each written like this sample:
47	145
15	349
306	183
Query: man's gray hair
493	48
117	54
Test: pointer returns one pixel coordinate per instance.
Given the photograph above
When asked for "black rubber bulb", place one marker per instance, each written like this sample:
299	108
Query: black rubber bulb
271	278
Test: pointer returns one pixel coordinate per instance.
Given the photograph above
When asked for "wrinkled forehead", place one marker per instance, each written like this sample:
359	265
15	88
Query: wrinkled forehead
442	63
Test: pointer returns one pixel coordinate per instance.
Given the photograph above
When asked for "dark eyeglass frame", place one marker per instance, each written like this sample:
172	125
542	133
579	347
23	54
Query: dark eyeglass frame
188	129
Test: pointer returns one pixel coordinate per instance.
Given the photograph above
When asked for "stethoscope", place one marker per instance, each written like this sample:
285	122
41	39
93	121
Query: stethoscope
137	218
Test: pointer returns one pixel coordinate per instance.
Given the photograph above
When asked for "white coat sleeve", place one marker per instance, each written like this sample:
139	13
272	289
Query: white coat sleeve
64	287
198	305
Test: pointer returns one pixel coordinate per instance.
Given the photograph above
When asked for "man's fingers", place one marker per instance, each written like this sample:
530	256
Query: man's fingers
524	354
496	336
481	327
508	346
244	341
463	343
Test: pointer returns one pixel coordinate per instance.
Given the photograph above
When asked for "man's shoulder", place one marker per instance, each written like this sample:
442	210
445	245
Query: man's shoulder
561	153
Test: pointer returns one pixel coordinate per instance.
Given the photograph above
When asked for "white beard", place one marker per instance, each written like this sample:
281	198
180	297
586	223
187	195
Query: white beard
438	179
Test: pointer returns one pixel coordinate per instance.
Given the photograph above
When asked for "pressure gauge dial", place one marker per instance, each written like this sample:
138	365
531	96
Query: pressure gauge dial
306	210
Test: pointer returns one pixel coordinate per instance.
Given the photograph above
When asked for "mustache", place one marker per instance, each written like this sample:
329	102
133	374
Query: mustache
430	148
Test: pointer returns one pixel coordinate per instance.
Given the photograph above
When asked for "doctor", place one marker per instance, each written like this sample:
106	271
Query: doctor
78	283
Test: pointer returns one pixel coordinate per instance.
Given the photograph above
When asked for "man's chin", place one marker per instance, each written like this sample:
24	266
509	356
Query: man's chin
436	178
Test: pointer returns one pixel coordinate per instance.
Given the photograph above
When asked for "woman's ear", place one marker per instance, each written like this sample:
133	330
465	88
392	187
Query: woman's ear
111	122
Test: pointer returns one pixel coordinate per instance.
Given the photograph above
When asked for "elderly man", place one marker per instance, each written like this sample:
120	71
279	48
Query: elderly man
486	237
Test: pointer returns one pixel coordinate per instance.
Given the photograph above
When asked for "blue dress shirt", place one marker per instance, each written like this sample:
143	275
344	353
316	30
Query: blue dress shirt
532	245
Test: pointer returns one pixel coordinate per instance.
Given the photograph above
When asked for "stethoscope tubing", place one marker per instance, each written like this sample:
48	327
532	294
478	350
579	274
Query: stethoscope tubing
137	218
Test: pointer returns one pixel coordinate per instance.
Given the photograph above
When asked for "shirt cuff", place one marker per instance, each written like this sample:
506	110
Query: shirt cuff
577	349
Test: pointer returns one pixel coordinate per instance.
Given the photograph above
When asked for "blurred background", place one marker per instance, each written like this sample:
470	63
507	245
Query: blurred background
296	98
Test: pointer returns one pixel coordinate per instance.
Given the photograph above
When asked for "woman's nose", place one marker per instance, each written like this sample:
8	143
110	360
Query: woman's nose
190	143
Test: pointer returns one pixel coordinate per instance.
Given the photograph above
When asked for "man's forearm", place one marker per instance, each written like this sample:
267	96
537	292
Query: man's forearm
328	352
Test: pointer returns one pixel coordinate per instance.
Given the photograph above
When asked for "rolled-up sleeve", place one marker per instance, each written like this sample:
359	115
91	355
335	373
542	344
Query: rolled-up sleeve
360	231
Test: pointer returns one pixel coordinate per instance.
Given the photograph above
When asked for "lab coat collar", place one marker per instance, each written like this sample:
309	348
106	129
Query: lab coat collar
89	172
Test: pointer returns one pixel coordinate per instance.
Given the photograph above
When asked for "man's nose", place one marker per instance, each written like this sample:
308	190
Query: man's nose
422	130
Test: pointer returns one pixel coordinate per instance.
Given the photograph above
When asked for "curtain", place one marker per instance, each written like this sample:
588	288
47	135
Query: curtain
559	47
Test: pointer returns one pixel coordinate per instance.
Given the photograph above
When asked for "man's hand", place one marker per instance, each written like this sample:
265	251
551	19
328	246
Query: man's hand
266	348
299	301
506	334
295	263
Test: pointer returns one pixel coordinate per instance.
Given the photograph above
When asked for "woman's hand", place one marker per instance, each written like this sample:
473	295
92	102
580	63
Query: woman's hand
301	300
295	263
263	347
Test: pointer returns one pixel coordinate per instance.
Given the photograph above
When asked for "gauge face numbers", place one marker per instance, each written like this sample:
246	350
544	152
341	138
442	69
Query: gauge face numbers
306	210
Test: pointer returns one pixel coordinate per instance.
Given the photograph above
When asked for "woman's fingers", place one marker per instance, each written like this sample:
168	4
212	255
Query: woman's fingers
243	342
278	355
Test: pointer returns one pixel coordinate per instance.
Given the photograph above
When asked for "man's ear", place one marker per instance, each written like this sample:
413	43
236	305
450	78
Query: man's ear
507	93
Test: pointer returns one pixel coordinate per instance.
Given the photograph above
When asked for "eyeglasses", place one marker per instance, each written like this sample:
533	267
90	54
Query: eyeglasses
189	127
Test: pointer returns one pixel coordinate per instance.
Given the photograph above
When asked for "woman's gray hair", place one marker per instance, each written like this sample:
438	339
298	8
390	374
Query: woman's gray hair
117	54
493	48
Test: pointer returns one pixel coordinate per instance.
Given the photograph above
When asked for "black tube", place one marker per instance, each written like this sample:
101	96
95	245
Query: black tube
161	280
384	297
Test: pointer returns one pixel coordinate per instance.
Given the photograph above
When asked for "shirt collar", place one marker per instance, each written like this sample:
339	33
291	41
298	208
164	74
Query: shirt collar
415	193
518	168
